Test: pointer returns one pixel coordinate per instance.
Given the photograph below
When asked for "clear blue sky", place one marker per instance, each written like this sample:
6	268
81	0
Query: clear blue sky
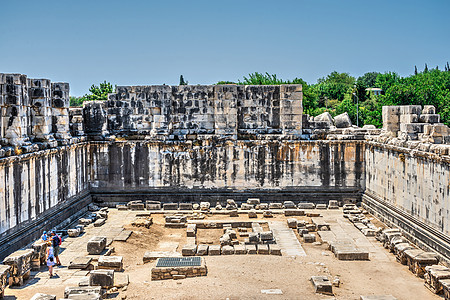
153	42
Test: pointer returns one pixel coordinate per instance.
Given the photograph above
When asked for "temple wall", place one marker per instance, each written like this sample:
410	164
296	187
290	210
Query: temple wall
410	190
40	190
303	169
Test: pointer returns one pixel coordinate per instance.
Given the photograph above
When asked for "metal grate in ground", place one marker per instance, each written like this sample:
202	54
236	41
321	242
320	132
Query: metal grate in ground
166	262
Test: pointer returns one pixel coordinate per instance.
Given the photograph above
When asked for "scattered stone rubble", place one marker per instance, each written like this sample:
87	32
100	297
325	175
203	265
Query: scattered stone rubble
20	263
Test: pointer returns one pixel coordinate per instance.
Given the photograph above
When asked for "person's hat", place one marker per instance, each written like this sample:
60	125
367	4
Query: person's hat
45	232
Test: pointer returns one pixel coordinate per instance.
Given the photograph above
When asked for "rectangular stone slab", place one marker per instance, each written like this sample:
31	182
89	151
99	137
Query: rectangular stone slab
274	249
322	285
263	249
111	262
41	296
150	256
96	245
189	250
240	249
251	249
227	250
123	236
81	290
202	249
81	262
214	250
103	278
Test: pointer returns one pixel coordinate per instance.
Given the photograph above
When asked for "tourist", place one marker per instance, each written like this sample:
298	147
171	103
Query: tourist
56	242
50	258
44	236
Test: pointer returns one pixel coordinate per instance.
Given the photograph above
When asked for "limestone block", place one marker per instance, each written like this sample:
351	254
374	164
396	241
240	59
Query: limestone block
262	249
189	250
428	109
73	232
111	263
275	206
191	230
4	273
150	256
302	231
253	237
202	249
413	118
80	262
227	250
433	274
96	245
274	249
289	204
251	249
153	205
225	239
20	262
322	285
240	249
309	238
231	233
306	205
264	206
246	206
205	205
324	117
410	109
333	204
292	223
170	206
103	278
253	201
294	212
214	250
99	222
321	206
185	206
233	213
429	118
41	296
342	121
252	214
267	214
81	290
266	236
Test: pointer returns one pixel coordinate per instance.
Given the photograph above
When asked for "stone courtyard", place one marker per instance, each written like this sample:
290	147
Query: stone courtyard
245	276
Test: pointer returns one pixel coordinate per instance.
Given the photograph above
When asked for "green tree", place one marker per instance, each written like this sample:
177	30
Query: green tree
76	101
334	86
99	92
368	80
182	82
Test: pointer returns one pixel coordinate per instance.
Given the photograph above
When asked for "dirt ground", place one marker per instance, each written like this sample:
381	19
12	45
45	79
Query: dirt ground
244	276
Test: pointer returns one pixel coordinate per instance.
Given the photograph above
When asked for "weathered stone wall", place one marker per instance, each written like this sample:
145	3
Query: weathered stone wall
189	112
410	189
39	190
302	169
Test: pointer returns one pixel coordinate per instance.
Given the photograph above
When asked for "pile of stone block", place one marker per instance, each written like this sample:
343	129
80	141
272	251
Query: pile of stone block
4	274
434	275
145	222
162	273
359	220
411	122
39	254
421	263
175	221
20	262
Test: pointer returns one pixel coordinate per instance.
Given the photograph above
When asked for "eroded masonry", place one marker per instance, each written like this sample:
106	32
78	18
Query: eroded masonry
212	143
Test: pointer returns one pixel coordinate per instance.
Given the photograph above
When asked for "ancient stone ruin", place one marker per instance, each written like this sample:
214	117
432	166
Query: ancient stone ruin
231	148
